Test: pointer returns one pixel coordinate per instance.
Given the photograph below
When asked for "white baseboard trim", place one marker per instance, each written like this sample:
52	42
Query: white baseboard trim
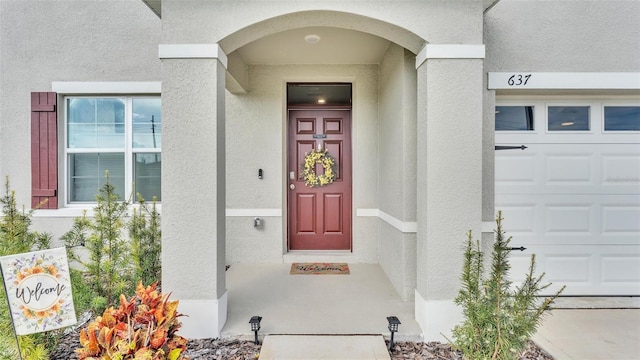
204	318
253	212
403	226
488	226
436	318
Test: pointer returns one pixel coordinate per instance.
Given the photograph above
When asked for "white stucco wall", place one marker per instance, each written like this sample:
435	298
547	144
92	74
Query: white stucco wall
560	36
397	167
46	41
449	200
211	21
449	183
256	139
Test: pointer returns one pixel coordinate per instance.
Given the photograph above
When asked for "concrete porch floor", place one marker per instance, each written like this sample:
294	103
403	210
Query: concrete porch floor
358	303
578	329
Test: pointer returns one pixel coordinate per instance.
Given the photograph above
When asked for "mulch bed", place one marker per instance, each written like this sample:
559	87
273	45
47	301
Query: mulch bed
440	351
235	349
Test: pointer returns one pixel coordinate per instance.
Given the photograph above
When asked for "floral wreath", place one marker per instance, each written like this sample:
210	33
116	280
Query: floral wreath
311	179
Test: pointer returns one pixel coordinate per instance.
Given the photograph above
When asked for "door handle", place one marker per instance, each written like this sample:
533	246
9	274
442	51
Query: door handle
499	147
292	186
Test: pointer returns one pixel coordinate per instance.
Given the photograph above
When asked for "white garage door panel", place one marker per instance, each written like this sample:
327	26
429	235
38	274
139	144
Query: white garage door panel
569	169
621	219
576	206
571	219
584	269
572	197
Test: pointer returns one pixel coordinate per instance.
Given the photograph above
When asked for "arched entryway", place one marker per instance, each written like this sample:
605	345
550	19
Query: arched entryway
406	112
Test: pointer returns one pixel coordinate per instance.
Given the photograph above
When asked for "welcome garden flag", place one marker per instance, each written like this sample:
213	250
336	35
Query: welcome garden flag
39	290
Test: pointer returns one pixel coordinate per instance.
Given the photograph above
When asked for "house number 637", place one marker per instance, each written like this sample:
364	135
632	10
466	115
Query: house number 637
518	79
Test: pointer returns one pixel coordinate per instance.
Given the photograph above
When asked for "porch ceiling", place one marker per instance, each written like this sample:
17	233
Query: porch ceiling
334	46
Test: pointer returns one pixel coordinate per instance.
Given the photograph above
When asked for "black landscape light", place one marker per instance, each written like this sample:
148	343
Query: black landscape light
255	326
393	327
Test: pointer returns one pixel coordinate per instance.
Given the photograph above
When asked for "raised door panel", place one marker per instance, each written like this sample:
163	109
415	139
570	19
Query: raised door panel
332	207
306	214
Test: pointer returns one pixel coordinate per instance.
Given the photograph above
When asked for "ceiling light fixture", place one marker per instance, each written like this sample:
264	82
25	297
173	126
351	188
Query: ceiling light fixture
312	38
568	123
322	101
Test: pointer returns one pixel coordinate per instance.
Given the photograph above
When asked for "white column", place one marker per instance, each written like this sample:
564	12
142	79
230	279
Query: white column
449	185
193	185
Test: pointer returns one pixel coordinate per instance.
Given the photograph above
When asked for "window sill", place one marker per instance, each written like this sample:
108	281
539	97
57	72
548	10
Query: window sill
72	212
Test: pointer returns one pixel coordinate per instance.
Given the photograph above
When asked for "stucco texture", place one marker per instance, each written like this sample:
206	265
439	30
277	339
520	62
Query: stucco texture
558	36
397	169
256	139
449	195
193	213
46	41
212	21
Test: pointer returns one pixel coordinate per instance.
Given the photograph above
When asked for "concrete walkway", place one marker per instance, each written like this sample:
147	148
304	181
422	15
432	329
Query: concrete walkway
591	334
299	347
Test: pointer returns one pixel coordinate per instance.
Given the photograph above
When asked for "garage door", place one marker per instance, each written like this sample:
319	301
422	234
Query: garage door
572	196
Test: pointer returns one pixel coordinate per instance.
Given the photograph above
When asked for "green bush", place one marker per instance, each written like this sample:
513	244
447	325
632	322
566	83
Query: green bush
111	262
145	234
498	318
16	238
107	272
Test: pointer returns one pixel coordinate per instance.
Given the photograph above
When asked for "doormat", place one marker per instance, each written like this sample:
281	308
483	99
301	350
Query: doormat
319	269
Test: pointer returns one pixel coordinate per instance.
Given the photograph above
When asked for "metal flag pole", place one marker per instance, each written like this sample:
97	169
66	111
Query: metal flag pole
6	295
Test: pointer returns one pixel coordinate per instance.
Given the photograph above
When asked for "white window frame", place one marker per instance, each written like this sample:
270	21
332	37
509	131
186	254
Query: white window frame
541	134
594	117
128	149
535	106
613	104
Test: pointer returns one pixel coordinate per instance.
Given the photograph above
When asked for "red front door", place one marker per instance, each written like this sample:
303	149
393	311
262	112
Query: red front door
319	216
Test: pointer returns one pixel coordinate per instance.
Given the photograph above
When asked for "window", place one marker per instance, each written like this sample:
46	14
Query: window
514	118
568	118
121	135
622	118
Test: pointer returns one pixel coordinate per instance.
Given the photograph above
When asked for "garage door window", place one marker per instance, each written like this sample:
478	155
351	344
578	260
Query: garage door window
568	118
622	118
514	118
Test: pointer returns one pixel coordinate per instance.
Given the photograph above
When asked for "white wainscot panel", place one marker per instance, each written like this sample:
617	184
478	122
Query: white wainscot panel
617	219
621	170
568	219
568	269
518	218
573	169
518	169
620	269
